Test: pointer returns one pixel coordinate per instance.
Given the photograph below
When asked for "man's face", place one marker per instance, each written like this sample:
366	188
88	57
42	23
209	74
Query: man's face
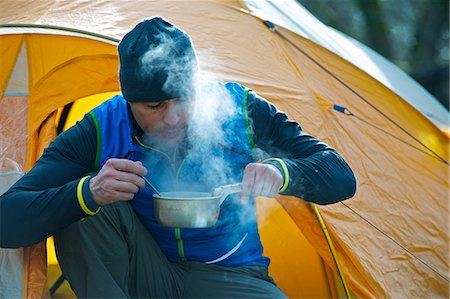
164	123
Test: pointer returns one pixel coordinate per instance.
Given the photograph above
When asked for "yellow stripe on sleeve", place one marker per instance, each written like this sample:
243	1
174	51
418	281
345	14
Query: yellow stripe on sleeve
81	199
286	172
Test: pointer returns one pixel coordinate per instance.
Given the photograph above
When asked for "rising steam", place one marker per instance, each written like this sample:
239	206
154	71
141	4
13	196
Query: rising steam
178	65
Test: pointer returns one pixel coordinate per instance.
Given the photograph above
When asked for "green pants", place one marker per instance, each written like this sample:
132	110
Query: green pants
112	255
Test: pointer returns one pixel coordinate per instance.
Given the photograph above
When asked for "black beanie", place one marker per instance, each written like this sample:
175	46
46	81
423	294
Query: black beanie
157	62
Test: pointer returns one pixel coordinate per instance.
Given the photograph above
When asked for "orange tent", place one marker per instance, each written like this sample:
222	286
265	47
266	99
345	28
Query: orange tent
58	58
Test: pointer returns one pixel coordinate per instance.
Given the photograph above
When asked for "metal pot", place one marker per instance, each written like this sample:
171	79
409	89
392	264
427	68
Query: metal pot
191	209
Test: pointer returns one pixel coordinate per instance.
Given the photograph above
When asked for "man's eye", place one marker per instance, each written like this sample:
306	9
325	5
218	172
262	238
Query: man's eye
154	107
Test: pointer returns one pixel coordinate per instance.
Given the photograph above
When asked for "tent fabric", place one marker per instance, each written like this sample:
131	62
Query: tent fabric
290	15
11	267
11	259
13	129
9	47
391	238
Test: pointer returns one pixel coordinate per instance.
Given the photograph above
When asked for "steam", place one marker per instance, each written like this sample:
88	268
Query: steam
169	57
211	107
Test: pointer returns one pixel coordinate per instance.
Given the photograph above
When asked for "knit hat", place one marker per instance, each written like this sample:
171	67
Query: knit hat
157	62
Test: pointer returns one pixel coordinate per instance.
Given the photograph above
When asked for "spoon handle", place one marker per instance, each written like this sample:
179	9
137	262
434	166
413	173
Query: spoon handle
151	186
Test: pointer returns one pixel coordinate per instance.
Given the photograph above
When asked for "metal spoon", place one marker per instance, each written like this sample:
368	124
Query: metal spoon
151	186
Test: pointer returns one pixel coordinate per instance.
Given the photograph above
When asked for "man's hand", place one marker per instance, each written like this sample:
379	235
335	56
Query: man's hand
260	180
119	179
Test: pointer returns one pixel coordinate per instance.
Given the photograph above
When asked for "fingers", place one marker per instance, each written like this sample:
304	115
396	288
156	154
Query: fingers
125	165
248	182
114	185
260	180
104	193
126	171
119	179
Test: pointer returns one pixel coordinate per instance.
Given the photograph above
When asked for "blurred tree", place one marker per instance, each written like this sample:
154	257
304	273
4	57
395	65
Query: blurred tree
413	34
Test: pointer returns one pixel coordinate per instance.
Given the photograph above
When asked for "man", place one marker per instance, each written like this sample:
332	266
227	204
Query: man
88	190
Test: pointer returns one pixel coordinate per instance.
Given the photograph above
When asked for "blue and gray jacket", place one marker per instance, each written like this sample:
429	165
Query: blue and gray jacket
234	239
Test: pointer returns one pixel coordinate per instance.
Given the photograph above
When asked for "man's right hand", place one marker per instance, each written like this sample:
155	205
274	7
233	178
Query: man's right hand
119	179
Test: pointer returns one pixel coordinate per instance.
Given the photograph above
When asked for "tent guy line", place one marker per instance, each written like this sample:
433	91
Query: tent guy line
347	112
397	243
272	27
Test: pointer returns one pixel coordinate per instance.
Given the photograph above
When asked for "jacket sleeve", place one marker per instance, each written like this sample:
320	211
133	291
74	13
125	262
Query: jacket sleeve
312	170
54	193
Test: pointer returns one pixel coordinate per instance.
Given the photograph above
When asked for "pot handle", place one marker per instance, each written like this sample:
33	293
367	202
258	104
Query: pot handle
224	191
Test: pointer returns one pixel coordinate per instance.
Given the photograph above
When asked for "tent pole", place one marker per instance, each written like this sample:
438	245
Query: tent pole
333	251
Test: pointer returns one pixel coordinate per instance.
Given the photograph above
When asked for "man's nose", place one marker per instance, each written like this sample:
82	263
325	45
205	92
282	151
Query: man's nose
172	115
